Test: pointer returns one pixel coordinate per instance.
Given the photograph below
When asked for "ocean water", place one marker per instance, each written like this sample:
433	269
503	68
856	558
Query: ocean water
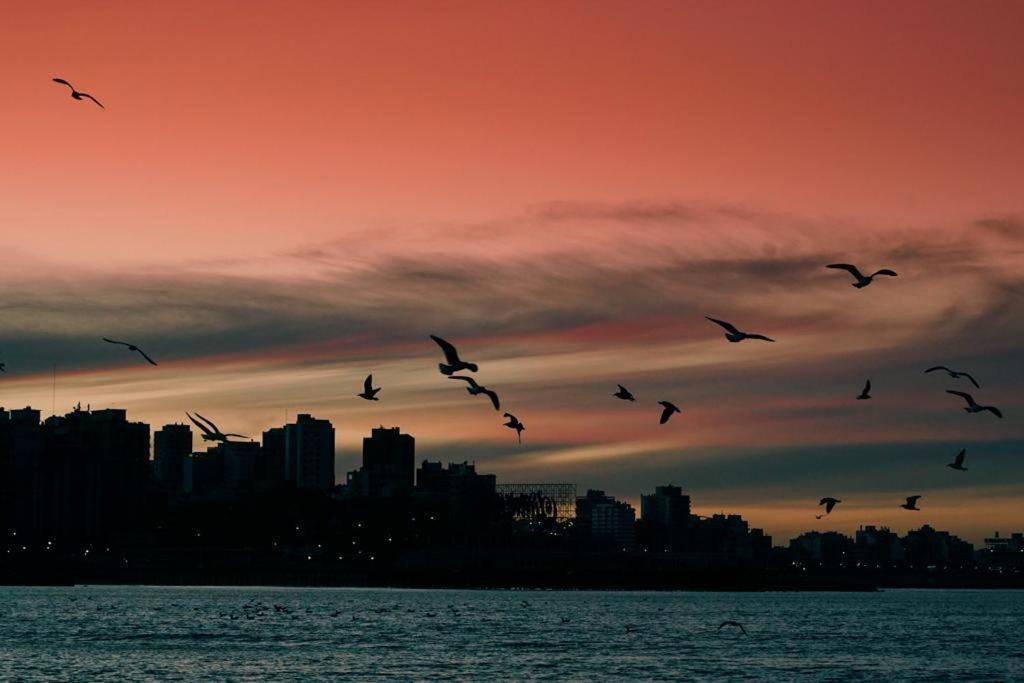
119	633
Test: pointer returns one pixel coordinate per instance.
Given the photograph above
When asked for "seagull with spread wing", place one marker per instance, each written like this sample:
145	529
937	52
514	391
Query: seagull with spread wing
734	335
866	392
451	355
958	463
131	347
829	503
210	431
624	394
514	423
862	280
369	393
475	389
911	503
78	95
973	407
955	375
669	410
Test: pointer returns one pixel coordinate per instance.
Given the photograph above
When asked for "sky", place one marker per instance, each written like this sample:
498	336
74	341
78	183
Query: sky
280	198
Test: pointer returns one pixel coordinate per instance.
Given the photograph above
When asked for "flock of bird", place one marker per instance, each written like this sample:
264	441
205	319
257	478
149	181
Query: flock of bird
453	363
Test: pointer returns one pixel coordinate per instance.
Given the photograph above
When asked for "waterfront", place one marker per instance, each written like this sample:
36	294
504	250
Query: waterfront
188	633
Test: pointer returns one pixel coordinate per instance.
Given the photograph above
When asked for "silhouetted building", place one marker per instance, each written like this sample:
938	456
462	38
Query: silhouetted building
822	549
878	547
1003	553
600	515
388	465
309	453
667	519
172	445
273	450
204	473
459	480
928	548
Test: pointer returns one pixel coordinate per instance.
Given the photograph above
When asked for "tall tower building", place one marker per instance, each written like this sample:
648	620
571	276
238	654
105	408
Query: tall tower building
171	447
309	453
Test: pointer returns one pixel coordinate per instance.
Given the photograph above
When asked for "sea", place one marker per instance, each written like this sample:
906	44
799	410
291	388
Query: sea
137	633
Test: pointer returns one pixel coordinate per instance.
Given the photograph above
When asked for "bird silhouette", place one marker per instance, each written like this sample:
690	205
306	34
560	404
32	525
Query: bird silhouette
958	463
210	431
3	367
624	394
954	374
866	392
451	355
78	95
475	390
973	407
862	280
734	335
131	347
669	409
734	624
369	393
911	503
829	503
514	423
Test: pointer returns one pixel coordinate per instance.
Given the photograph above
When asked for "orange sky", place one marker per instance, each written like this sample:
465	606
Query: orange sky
284	196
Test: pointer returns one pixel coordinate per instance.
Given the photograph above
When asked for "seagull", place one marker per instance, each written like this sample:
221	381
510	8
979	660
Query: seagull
514	423
452	356
829	503
734	335
955	375
78	95
911	503
866	393
958	463
670	408
131	347
732	623
862	280
624	394
973	407
210	432
3	367
475	390
369	393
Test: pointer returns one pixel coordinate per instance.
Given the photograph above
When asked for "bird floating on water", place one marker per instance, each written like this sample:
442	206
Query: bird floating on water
955	374
451	355
866	392
734	335
369	393
514	423
131	347
958	463
829	503
475	389
624	394
210	431
734	624
911	503
973	407
78	95
669	409
862	280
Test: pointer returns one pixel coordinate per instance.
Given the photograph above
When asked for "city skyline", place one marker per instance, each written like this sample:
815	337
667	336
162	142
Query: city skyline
568	217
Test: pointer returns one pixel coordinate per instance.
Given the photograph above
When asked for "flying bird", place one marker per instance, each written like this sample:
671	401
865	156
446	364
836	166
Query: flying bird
734	624
973	407
131	347
866	392
210	431
369	393
670	408
958	463
829	503
954	374
78	95
514	423
3	367
734	335
862	280
624	394
451	355
911	503
475	390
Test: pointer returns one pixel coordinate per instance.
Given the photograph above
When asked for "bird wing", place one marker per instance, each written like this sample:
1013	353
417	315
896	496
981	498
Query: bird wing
971	377
63	82
759	336
494	398
911	500
511	416
884	271
472	382
450	354
145	356
102	107
214	427
851	269
727	326
622	389
368	384
204	428
666	413
995	411
831	503
938	367
114	341
960	457
962	394
240	436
